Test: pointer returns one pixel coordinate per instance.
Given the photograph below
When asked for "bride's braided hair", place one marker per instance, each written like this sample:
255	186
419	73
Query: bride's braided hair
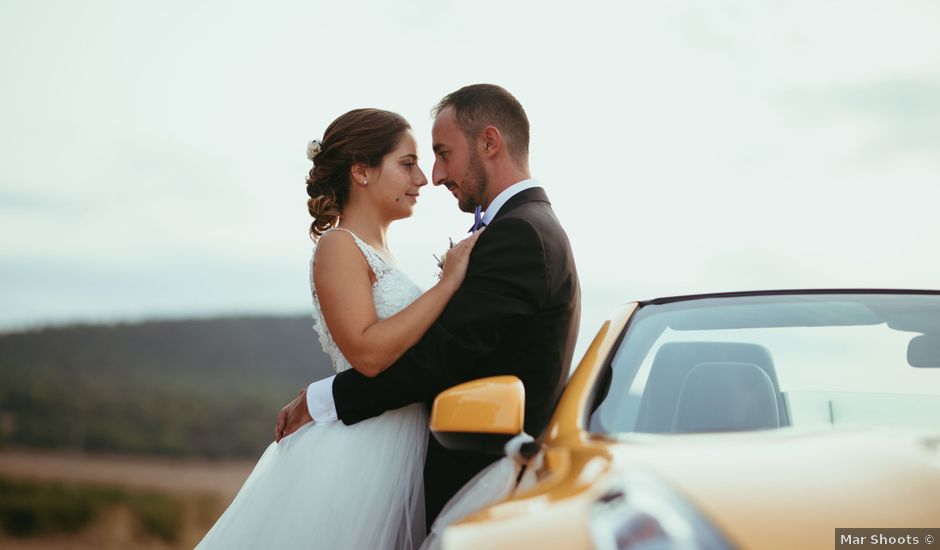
361	135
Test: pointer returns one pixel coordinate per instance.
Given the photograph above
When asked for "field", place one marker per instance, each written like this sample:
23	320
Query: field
82	501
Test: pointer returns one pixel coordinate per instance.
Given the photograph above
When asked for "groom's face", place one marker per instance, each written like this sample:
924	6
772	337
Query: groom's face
457	166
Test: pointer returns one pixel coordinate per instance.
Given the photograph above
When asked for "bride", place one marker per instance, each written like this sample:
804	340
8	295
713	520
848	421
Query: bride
359	486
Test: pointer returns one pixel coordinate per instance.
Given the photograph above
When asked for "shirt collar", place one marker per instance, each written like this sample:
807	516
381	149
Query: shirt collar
507	194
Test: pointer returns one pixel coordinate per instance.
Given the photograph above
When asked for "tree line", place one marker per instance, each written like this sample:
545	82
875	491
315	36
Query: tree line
208	388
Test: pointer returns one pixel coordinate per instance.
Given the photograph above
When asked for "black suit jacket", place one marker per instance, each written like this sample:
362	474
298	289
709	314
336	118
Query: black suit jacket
517	312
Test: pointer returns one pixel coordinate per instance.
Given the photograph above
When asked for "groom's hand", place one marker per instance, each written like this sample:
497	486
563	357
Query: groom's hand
292	417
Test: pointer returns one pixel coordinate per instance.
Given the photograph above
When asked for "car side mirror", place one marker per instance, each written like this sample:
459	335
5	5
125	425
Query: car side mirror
480	415
923	352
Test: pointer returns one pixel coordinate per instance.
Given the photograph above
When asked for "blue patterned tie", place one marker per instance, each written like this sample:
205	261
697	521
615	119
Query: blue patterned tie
477	220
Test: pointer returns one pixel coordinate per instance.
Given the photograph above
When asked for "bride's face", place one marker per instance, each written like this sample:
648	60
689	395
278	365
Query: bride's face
398	185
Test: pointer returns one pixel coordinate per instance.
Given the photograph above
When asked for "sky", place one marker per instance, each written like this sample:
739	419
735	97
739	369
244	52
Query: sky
152	154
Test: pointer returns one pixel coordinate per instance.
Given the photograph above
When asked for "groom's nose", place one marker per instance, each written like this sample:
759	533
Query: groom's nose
438	175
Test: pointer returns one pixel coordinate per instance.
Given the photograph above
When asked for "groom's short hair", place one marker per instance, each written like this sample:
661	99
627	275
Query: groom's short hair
480	105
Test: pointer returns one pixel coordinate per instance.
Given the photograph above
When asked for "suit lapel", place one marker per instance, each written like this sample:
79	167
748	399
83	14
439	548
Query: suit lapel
534	194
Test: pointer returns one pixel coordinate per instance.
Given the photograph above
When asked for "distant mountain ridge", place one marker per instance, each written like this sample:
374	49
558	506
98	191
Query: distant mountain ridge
209	387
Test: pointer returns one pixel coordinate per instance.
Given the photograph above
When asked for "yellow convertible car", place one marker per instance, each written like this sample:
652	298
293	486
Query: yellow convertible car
743	420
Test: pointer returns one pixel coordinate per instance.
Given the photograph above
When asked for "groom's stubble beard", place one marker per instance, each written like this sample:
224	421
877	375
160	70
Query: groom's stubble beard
475	182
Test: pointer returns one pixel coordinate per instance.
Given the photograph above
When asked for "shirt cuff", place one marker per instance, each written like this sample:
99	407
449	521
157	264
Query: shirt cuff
320	401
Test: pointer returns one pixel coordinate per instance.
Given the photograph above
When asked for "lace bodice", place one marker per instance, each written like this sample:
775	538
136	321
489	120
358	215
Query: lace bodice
392	291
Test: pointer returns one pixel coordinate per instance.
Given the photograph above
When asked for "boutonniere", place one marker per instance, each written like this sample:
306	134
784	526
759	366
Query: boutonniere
443	258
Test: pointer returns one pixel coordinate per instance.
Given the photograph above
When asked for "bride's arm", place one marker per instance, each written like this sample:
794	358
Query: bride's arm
343	282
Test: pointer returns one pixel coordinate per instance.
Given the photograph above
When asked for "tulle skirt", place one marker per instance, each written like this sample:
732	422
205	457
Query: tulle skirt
494	483
334	486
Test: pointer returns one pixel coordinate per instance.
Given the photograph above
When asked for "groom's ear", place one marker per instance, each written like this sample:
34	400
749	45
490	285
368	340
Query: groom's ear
491	141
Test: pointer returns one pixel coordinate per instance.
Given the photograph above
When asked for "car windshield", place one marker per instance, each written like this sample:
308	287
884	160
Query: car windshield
768	361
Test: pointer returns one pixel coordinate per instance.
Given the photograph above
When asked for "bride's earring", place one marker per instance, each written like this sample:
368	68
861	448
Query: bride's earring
365	181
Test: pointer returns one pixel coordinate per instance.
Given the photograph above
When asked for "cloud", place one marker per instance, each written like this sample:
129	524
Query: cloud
41	290
893	118
153	156
16	200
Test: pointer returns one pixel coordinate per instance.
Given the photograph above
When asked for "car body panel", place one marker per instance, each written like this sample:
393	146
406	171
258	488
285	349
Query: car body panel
787	487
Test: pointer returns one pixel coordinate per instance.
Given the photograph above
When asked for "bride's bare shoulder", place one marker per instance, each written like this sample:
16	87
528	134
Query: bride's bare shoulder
337	253
335	242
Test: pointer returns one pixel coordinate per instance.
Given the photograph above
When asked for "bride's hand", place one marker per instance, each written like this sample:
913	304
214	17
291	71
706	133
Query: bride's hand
458	259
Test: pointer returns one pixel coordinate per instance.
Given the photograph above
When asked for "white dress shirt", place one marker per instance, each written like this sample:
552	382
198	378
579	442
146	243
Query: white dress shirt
320	393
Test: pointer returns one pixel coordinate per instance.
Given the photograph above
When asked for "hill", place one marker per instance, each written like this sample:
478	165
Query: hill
206	388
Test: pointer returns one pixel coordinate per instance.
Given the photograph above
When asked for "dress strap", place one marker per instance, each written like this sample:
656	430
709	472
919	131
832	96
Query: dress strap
378	264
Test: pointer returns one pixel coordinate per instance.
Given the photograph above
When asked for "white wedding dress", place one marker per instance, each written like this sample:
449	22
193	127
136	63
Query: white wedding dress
335	486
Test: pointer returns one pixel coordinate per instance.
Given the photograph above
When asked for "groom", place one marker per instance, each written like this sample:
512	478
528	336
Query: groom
517	311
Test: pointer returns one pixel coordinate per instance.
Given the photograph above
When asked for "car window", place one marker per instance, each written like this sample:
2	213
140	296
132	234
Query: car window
766	362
